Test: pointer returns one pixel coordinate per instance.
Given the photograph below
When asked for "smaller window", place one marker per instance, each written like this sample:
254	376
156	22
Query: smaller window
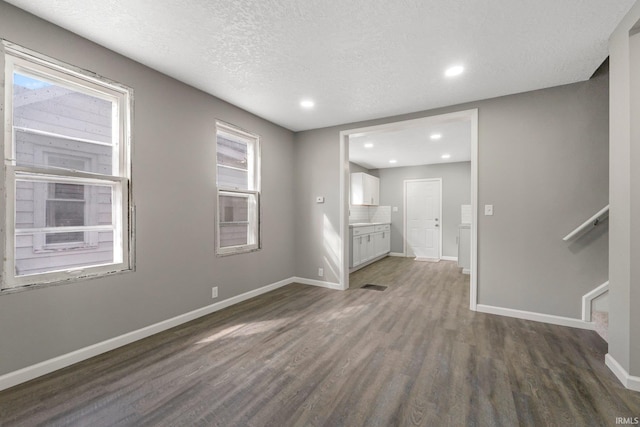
238	188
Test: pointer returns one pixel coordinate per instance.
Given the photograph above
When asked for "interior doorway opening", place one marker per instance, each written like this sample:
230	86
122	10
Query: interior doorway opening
393	150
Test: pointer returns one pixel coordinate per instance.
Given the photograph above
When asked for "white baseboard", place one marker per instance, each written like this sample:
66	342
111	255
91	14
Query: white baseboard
589	297
449	258
631	382
31	372
400	254
537	317
466	271
319	283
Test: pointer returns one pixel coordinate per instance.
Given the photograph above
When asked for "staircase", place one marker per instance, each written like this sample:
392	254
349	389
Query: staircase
595	304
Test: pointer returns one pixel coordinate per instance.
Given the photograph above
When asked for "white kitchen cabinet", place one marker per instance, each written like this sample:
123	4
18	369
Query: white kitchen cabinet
365	189
368	243
381	240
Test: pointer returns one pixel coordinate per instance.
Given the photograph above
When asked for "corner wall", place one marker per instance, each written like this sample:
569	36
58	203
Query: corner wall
624	238
174	193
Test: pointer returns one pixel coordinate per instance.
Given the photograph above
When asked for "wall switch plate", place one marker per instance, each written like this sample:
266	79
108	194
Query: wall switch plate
214	292
320	272
488	209
319	199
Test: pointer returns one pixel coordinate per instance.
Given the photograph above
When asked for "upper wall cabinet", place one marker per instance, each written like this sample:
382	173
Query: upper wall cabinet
365	189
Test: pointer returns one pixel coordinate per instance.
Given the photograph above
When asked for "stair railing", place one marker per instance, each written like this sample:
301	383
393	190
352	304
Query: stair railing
591	222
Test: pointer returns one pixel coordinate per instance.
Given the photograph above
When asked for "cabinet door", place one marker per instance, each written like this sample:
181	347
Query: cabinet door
375	191
366	248
386	242
378	243
358	189
355	251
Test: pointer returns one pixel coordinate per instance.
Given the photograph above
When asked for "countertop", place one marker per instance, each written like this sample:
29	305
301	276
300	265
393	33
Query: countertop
367	224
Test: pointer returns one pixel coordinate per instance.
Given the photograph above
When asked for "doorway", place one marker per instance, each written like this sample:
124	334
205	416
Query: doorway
422	222
469	116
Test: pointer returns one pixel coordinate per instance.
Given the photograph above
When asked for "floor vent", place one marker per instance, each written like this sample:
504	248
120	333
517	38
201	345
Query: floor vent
374	287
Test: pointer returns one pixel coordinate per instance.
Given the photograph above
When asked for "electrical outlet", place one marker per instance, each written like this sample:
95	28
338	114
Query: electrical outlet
214	292
320	271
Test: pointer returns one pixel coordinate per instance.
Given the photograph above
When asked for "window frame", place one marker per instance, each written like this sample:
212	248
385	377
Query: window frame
254	160
14	58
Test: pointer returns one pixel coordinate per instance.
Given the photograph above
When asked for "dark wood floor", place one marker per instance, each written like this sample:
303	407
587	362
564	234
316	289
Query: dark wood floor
412	355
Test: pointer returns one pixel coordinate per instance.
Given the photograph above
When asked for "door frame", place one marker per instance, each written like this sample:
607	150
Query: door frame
404	216
343	255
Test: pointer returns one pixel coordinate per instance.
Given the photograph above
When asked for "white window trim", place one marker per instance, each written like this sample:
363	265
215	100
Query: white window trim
254	180
16	58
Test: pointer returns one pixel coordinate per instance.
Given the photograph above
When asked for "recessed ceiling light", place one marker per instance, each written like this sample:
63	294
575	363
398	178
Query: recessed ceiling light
446	156
307	103
456	70
436	136
368	145
393	161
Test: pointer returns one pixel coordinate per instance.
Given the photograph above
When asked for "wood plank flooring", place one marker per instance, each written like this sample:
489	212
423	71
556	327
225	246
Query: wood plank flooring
411	355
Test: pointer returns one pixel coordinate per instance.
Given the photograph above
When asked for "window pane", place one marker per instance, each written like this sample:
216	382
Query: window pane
31	258
48	107
234	208
233	178
60	153
238	219
61	204
232	151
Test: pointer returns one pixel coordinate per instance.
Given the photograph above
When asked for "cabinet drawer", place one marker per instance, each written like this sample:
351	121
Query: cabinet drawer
357	231
384	227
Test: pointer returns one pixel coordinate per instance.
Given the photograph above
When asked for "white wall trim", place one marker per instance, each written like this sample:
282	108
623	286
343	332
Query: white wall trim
400	254
537	317
34	371
449	258
589	297
320	283
631	382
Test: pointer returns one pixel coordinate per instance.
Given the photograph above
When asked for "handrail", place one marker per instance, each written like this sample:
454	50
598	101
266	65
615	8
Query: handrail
593	221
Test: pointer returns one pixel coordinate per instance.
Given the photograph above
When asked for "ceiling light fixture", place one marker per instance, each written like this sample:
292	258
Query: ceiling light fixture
307	103
368	145
446	156
436	136
456	70
393	161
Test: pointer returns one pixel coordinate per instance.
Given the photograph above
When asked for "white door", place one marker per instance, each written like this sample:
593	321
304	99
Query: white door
423	219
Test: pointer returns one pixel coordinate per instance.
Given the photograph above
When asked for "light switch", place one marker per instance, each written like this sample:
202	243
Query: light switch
319	199
488	209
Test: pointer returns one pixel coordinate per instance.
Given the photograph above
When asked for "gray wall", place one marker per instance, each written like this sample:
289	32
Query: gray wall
456	190
543	164
174	190
624	238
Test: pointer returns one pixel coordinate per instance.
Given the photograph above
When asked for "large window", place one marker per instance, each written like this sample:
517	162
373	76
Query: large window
238	181
67	171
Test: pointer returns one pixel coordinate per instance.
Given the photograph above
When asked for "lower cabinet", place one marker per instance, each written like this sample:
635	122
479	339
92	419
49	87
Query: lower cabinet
369	242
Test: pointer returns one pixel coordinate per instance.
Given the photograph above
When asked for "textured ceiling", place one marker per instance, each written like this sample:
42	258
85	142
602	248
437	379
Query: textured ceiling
411	144
358	59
